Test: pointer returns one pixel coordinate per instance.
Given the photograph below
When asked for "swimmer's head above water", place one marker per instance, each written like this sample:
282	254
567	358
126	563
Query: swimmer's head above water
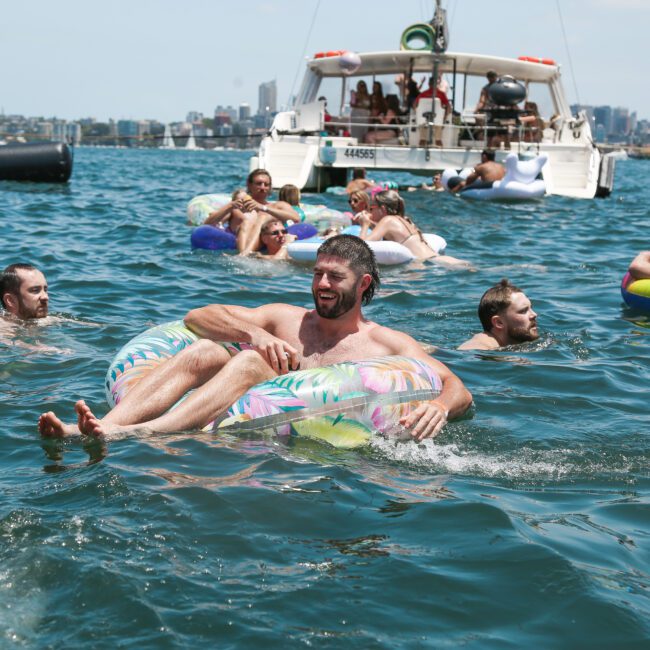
24	291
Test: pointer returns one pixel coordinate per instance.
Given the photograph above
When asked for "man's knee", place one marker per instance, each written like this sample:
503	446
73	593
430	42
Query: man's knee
253	365
204	355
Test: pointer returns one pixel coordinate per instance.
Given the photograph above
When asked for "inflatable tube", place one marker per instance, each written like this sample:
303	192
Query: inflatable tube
201	206
520	183
212	238
387	253
636	293
343	404
45	162
418	37
321	216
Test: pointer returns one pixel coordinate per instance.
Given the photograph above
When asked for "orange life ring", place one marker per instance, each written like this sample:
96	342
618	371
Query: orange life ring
548	61
319	55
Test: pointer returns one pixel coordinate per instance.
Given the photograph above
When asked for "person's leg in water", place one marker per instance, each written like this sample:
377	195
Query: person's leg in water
156	392
204	405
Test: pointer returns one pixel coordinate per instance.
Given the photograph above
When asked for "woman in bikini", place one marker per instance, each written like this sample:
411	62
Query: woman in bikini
390	223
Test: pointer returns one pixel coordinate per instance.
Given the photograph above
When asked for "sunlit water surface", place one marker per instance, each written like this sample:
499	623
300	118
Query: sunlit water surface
525	524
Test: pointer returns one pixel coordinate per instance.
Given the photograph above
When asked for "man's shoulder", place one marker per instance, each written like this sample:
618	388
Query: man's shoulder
480	341
396	340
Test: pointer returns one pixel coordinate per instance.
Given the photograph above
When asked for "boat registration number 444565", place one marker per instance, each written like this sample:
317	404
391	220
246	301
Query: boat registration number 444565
366	154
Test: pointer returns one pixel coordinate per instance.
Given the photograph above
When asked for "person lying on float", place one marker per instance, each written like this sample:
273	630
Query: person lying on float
280	337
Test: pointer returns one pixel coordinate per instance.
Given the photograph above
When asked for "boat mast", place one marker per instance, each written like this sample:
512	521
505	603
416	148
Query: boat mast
438	46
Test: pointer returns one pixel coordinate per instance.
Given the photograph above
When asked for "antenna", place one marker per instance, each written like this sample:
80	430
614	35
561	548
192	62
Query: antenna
302	58
568	52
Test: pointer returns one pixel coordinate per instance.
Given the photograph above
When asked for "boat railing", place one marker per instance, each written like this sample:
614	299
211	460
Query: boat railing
464	132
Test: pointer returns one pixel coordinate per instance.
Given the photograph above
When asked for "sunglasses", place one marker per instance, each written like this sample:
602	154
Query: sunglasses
273	233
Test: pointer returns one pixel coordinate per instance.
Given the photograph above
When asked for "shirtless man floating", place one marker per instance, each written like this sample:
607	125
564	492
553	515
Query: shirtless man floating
507	317
483	175
281	337
24	297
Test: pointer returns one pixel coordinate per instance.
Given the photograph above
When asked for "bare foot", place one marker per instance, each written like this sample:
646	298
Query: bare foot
88	423
51	426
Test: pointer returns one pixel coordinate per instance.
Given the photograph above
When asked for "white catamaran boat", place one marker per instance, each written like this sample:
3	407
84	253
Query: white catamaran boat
314	149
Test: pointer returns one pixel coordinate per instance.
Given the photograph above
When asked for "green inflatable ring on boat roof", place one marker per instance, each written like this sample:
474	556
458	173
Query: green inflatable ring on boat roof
415	34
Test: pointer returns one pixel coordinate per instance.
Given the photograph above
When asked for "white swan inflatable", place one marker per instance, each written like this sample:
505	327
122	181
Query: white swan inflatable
521	182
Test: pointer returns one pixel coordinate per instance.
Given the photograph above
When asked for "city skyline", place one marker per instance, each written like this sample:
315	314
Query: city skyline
146	60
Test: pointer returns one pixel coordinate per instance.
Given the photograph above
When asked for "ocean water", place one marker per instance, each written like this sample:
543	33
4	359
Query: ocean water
525	524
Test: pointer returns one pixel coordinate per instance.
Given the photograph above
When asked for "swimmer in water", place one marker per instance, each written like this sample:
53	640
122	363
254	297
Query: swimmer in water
507	317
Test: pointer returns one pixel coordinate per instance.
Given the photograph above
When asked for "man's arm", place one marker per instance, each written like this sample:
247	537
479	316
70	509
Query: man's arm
640	266
253	326
468	181
428	419
280	210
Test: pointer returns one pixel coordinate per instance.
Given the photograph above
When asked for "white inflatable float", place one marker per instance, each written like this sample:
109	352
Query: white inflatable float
388	253
321	216
521	182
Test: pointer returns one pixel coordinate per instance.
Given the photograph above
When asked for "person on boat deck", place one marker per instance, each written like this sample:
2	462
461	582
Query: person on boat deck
482	177
360	110
271	241
532	122
446	105
390	223
390	117
327	118
507	317
259	186
278	338
428	93
359	181
231	212
640	266
485	103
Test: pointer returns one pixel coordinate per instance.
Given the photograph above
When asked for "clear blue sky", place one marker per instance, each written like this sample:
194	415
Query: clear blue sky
162	58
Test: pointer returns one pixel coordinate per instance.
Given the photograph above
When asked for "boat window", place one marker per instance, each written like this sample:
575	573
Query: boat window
331	88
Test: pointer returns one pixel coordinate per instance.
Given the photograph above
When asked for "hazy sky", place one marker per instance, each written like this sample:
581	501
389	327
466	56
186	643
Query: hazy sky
162	58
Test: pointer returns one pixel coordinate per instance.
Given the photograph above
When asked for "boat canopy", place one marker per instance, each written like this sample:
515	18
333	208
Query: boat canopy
375	63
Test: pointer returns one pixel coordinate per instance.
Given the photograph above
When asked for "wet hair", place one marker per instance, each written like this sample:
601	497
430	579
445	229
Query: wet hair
358	172
488	153
390	200
495	301
10	280
258	172
290	194
358	255
267	224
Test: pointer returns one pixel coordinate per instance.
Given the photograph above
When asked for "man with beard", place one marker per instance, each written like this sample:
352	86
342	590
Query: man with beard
507	317
23	292
25	300
275	339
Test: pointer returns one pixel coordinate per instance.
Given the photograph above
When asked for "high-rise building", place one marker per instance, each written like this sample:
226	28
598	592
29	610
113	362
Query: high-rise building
226	110
603	115
244	111
194	116
621	121
268	98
